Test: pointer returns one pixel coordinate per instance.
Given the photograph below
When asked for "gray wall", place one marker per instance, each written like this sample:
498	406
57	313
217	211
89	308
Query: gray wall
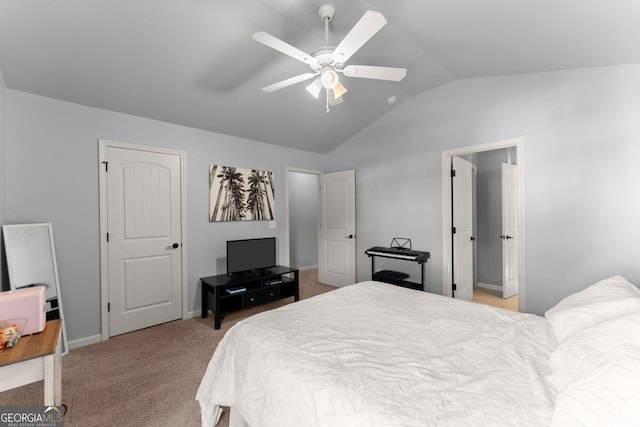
303	219
52	176
4	283
582	144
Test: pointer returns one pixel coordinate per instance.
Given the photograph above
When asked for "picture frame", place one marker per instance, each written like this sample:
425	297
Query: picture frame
239	194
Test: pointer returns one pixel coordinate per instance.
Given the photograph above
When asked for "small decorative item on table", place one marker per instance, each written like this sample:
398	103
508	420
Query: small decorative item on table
10	332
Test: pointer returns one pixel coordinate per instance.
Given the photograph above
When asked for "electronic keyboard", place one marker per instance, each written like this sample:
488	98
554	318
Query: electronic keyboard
408	254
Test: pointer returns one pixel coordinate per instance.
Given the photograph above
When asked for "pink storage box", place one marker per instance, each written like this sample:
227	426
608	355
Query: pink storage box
27	303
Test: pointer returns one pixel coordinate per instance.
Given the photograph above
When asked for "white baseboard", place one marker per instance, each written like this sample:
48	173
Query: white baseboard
310	267
82	342
192	314
93	339
490	286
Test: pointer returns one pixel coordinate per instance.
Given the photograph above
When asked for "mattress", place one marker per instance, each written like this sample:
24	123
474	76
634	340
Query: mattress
374	354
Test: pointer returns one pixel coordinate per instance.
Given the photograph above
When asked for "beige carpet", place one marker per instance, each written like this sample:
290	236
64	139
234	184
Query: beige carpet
144	378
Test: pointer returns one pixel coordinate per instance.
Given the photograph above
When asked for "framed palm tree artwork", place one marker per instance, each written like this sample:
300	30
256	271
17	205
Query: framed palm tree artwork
237	194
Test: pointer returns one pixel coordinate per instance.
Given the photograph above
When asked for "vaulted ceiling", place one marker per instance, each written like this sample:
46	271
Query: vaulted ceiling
193	62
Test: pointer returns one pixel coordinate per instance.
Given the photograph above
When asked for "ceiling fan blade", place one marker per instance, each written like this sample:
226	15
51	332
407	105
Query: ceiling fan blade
372	72
370	23
277	44
289	82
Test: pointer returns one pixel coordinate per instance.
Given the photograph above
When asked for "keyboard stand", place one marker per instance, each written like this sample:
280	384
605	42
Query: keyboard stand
422	260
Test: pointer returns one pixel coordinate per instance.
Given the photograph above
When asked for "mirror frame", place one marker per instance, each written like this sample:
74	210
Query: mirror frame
12	234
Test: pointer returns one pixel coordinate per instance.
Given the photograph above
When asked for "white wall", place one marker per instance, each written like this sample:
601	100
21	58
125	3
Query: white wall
582	146
3	173
52	170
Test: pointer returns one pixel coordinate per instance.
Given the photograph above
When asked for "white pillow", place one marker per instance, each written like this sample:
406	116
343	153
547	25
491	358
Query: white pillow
598	375
607	299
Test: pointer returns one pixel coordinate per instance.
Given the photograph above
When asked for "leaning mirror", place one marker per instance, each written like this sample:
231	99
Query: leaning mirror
31	260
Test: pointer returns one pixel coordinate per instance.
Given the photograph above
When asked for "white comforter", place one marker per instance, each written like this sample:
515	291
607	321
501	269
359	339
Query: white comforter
373	354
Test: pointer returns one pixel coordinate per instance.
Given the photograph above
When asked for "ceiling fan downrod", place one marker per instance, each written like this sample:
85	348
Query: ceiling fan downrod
326	12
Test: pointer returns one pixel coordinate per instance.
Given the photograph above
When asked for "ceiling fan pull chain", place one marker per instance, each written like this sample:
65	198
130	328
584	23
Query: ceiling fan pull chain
327	98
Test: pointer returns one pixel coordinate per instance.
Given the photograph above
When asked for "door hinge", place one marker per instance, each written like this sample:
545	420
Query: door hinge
106	166
108	307
107	237
453	230
454	287
453	173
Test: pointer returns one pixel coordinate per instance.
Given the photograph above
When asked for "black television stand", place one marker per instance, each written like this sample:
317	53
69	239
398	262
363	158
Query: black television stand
250	273
243	290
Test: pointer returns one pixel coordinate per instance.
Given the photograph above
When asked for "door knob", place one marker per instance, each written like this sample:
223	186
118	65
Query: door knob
174	246
350	236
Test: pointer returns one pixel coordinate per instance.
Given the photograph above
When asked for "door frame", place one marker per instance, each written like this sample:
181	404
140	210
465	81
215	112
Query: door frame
103	144
287	246
447	266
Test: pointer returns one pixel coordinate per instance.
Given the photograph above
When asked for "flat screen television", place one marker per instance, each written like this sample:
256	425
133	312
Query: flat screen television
250	255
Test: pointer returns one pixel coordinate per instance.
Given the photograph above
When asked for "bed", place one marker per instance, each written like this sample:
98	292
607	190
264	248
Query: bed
374	354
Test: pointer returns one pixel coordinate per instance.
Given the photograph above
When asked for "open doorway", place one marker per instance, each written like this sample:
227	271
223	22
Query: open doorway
500	253
302	218
321	224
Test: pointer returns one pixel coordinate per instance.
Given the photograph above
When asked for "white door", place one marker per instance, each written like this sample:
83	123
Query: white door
337	229
462	240
144	238
509	230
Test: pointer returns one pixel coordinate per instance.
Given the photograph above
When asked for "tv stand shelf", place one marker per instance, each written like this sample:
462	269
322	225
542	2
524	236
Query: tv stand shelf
246	289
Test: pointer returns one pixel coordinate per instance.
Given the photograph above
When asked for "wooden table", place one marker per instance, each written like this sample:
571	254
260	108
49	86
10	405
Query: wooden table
34	358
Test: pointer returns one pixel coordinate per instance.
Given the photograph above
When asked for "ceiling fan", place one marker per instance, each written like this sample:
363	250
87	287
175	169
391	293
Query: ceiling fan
328	61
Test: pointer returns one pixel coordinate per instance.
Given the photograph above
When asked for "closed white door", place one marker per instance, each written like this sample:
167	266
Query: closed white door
144	238
337	229
462	188
509	230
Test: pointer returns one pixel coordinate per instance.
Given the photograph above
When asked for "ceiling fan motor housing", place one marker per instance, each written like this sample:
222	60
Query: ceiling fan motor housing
327	12
324	57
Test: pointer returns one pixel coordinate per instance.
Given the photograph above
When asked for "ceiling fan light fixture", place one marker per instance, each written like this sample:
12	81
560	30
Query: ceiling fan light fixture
333	101
339	90
329	78
314	88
